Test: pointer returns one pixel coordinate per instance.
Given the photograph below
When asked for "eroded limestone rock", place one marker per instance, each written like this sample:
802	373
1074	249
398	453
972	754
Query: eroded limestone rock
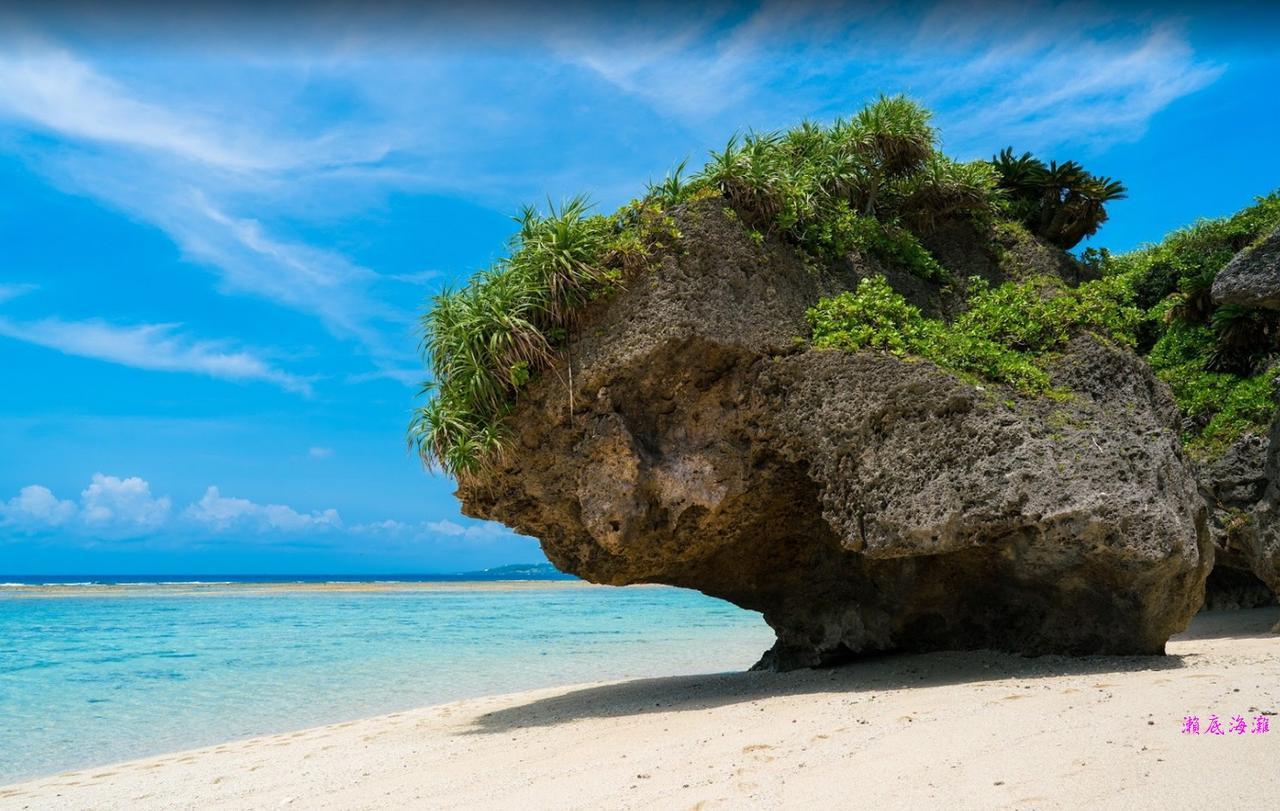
1252	278
862	502
1242	524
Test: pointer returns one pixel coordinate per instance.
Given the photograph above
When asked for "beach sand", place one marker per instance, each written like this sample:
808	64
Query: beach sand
964	730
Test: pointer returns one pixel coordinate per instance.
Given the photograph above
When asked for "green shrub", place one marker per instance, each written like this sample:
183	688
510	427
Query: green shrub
874	317
1219	406
1002	337
856	185
944	188
1214	358
1248	406
1187	260
844	231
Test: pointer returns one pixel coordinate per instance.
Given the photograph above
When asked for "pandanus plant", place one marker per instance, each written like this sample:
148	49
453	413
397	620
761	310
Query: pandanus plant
672	190
558	253
894	138
780	182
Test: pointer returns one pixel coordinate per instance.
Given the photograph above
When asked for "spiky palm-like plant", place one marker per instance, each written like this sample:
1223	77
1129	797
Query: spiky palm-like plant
1061	202
851	186
894	132
893	137
945	189
559	252
673	190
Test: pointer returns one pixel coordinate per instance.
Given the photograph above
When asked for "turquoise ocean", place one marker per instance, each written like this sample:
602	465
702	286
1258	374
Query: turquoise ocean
94	673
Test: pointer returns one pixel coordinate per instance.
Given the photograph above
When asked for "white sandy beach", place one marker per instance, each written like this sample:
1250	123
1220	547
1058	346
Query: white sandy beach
964	730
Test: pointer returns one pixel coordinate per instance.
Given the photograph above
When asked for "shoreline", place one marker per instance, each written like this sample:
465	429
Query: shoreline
893	730
205	588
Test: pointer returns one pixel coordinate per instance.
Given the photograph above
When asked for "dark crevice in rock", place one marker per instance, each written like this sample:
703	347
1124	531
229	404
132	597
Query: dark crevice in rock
1233	588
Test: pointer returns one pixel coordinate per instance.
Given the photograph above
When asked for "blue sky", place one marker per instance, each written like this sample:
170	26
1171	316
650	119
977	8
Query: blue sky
217	231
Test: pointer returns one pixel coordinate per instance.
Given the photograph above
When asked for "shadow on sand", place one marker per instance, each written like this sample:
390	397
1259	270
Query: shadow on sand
1250	623
866	675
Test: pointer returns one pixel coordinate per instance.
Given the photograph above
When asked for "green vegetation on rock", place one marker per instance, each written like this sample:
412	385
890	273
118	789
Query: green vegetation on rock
1003	337
864	184
486	340
1218	360
873	185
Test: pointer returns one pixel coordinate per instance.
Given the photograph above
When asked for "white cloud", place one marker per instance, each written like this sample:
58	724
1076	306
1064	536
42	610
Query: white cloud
222	513
292	274
317	452
1045	89
474	532
109	501
158	347
36	506
387	527
112	507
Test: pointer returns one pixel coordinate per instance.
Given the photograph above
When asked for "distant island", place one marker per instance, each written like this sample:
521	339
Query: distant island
519	571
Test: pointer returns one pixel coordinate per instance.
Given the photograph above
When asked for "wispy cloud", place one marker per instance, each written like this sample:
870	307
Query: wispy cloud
243	161
1038	73
12	291
61	94
190	167
157	347
477	531
1035	85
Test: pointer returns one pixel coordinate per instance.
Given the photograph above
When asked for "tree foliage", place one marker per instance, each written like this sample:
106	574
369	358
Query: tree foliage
881	164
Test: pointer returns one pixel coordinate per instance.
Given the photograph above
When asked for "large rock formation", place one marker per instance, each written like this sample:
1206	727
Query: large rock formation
1241	490
1264	546
860	501
1242	487
1252	278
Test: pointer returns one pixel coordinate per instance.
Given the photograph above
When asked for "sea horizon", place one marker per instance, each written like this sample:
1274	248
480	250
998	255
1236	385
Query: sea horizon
509	572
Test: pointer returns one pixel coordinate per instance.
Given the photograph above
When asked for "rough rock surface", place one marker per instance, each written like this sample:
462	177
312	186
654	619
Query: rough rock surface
1266	520
1252	278
1240	489
861	502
